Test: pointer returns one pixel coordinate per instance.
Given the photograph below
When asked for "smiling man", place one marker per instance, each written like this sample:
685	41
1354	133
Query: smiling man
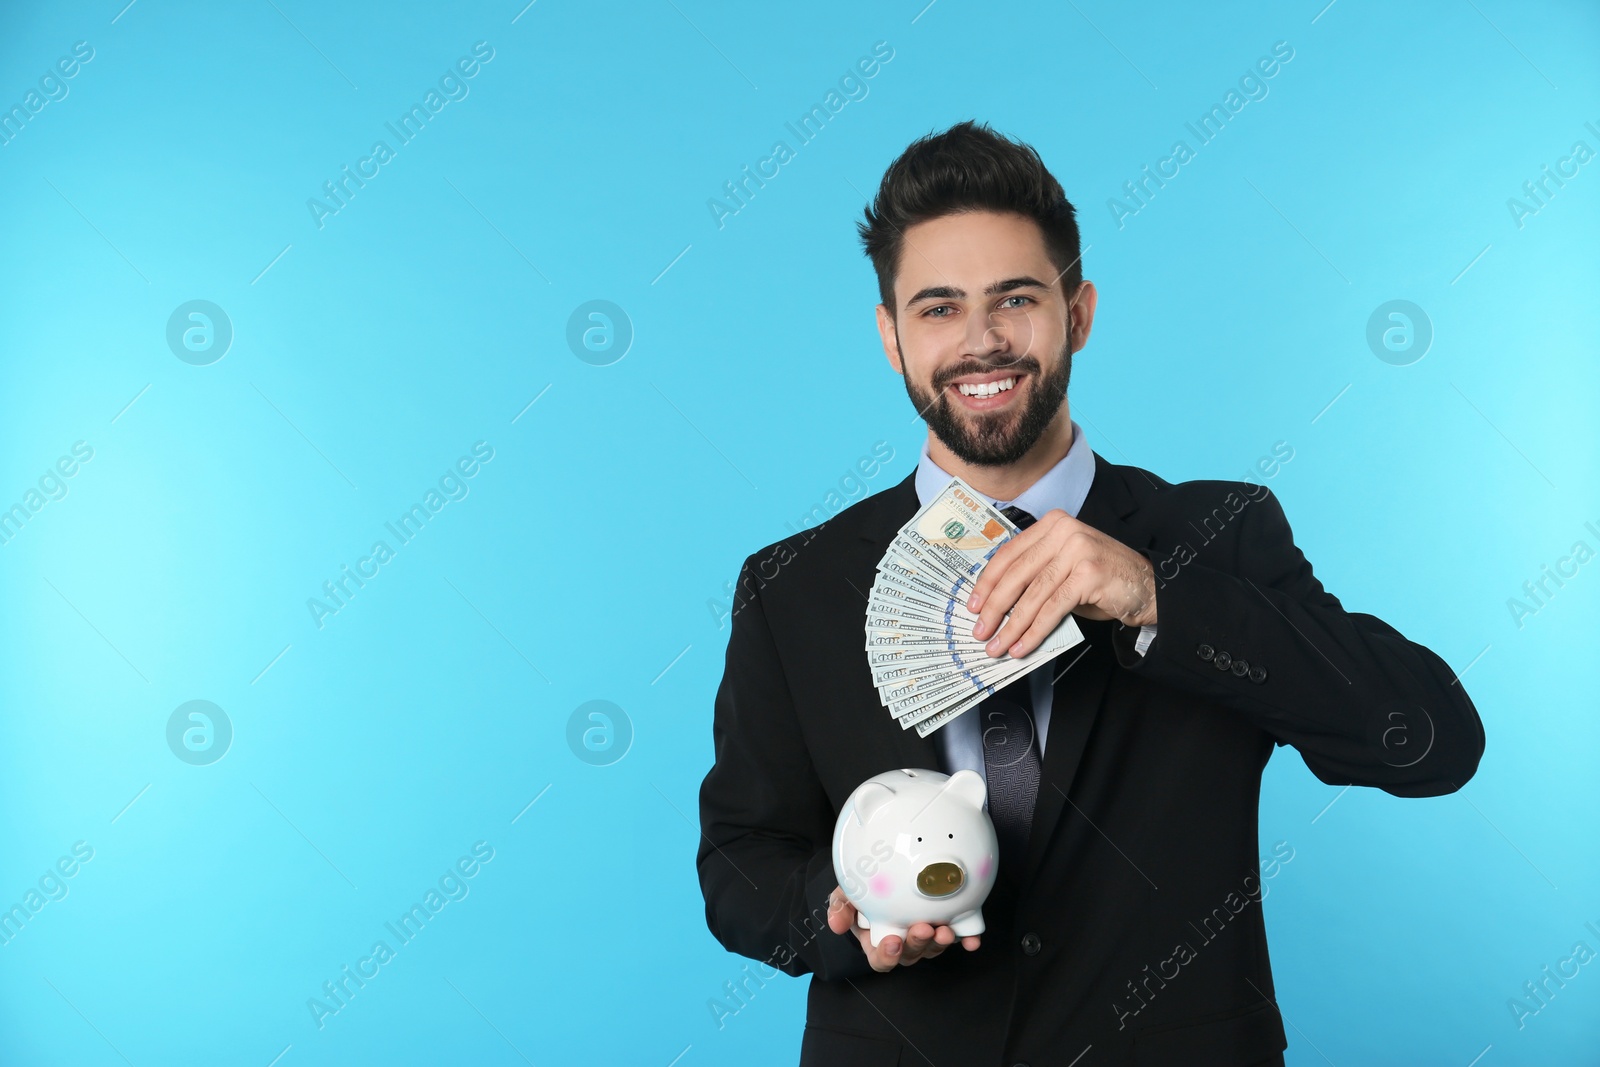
1125	924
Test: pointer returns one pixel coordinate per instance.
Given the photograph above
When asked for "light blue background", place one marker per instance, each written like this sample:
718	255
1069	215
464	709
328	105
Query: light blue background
590	556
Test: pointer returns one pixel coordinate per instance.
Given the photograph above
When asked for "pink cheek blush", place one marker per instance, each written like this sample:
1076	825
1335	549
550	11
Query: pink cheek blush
881	885
986	868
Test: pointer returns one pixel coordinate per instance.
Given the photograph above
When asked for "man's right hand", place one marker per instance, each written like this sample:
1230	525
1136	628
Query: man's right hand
922	940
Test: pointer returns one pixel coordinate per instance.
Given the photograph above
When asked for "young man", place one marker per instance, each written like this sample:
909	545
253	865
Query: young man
1125	925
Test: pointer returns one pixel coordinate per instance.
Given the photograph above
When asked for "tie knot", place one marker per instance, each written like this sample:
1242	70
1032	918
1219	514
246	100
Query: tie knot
1021	519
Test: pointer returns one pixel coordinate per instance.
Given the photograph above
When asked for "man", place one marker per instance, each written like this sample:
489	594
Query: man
1125	925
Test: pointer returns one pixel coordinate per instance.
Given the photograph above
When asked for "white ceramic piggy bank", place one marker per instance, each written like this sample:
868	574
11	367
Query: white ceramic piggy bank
916	846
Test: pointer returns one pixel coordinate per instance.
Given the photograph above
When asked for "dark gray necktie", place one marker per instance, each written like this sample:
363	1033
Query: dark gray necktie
1011	760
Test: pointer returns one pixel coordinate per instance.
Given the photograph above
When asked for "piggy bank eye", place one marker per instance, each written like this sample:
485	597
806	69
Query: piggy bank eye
919	839
951	836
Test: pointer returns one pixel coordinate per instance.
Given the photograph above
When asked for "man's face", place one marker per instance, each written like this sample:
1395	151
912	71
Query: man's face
981	333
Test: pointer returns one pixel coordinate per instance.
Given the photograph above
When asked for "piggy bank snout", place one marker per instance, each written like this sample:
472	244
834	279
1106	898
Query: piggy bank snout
940	879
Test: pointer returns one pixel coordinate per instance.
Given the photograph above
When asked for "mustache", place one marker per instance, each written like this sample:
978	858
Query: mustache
1021	364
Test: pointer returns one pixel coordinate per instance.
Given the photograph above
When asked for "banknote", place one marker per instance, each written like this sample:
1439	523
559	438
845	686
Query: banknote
925	663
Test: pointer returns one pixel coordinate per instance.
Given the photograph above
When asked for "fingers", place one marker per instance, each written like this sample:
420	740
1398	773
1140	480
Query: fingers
893	951
1050	526
918	939
1004	598
886	957
1039	614
841	913
922	941
993	571
1036	590
1033	567
993	594
1042	586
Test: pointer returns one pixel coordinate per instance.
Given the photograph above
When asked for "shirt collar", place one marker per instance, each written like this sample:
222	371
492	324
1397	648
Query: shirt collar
1063	486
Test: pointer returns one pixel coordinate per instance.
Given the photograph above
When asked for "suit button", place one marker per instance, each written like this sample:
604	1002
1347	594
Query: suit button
1031	944
1222	661
1205	652
1258	674
1241	667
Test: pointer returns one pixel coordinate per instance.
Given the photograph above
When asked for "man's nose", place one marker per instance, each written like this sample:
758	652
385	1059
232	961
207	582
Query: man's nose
1001	338
987	334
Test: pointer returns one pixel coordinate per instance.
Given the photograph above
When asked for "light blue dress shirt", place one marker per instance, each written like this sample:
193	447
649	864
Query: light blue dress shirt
1063	486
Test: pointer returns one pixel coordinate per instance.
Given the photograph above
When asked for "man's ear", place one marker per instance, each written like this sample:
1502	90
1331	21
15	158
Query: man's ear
1083	314
886	333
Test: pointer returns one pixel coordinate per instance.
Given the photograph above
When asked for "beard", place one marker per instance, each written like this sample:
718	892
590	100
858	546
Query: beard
998	438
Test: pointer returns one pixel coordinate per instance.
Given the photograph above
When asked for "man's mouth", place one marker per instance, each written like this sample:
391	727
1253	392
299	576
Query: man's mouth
981	392
985	388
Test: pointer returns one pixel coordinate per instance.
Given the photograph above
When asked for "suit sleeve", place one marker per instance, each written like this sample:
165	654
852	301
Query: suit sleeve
766	823
1362	704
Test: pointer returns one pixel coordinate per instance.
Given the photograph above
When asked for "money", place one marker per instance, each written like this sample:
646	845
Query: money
926	664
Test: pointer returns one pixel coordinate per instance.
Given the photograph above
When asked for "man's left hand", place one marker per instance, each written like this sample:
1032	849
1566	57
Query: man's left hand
1055	567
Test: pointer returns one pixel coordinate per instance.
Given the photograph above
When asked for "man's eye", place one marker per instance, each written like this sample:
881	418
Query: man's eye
940	307
1029	299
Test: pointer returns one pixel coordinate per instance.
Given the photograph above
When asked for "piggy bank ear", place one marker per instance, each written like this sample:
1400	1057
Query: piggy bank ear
869	798
968	787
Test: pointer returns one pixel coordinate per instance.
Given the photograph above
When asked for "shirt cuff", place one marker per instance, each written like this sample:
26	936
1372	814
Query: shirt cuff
1146	635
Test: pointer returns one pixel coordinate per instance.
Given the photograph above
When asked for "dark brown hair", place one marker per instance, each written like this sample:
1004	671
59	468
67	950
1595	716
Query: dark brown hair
968	167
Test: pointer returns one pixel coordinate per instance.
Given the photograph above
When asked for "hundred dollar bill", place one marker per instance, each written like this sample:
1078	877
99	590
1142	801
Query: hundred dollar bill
994	679
922	694
956	673
933	574
941	650
915	640
907	623
928	602
889	592
911	638
908	716
957	529
933	722
925	663
920	604
914	570
910	657
937	695
936	662
907	630
905	556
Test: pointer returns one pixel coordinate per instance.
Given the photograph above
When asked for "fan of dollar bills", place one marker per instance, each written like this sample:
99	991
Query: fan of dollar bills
925	662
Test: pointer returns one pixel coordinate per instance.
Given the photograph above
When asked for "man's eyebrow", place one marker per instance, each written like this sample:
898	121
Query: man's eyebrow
950	292
1024	282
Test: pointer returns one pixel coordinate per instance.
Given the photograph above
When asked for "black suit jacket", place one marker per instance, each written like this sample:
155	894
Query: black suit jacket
1134	933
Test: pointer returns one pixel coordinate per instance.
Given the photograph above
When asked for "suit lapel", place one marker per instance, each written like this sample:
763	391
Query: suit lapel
1082	673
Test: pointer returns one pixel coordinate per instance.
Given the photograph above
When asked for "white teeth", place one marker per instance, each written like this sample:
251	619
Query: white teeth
986	388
